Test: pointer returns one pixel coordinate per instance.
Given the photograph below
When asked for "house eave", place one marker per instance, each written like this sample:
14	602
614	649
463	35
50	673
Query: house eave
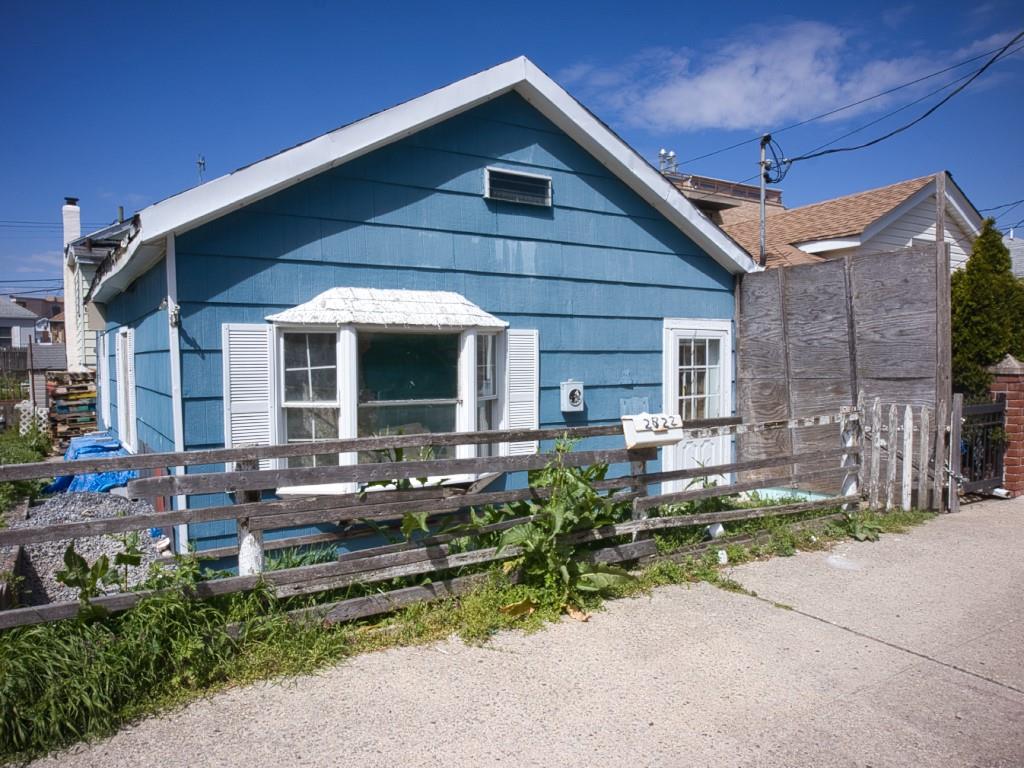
830	244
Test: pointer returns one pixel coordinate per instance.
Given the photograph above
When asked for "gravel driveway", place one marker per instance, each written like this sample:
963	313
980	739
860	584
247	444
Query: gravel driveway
907	652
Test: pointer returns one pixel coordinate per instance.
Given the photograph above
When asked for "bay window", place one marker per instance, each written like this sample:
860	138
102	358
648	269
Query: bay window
408	383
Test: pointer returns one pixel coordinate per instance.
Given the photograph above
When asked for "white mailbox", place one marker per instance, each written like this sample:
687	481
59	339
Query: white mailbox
572	396
650	429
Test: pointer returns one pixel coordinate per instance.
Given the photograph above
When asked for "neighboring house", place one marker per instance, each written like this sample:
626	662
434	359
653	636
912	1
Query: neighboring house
878	220
1016	247
57	328
17	325
82	255
47	308
441	265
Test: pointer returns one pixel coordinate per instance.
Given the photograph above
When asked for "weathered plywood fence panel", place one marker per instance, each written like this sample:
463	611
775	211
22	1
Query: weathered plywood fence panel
810	337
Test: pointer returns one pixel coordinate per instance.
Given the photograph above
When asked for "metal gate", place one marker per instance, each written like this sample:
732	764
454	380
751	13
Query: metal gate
982	446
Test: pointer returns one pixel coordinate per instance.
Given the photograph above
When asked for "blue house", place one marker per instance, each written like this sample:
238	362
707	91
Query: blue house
442	265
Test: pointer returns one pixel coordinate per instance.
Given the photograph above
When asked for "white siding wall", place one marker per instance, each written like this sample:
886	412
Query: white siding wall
919	222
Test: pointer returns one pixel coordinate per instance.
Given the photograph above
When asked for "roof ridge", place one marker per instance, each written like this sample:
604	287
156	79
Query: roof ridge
856	194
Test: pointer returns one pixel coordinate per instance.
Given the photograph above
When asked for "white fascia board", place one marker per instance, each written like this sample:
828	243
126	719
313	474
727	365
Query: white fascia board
138	258
834	244
963	210
220	196
896	213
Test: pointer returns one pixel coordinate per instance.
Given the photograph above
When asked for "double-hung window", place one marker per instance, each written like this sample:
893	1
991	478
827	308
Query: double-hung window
310	401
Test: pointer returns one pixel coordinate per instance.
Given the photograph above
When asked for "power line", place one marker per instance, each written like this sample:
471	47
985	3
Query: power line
977	73
1004	205
1015	205
845	106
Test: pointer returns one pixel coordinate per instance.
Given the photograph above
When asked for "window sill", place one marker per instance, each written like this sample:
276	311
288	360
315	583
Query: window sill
341	489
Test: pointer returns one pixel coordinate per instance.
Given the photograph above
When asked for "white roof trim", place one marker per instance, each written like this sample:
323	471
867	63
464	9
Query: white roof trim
389	307
217	197
956	202
833	244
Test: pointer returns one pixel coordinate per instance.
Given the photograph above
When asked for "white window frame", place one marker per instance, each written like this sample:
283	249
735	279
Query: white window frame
347	397
282	404
549	203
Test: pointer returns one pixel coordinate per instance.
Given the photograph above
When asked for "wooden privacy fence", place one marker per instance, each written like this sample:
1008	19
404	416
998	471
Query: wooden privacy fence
626	540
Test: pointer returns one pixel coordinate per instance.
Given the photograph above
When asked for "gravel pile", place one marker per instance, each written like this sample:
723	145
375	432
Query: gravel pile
44	560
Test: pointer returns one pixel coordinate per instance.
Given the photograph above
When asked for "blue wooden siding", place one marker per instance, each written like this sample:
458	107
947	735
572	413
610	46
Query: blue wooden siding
139	308
595	274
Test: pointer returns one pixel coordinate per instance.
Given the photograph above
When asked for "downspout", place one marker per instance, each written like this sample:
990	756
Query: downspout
174	354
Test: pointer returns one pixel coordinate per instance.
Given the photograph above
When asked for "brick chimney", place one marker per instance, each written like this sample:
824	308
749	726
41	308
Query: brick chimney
1008	381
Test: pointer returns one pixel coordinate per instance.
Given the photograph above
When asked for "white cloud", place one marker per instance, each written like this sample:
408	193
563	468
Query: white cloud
44	262
762	78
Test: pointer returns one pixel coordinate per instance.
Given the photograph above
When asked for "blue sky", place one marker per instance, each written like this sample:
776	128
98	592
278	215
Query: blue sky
113	102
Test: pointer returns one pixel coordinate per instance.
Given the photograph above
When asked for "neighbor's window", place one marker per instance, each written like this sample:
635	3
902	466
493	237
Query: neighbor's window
310	393
5	337
408	383
486	389
512	187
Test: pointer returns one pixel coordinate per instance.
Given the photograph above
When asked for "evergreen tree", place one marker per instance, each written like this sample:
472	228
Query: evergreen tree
987	313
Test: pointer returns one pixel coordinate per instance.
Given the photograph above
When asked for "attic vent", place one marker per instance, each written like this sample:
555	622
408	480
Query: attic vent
518	187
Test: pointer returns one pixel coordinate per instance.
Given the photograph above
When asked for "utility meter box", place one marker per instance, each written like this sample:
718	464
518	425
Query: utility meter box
572	396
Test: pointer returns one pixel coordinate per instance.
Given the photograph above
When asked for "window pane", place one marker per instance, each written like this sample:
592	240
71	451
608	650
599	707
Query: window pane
699	412
713	407
406	419
485	421
296	386
714	374
684	383
698	352
713	351
322	350
485	386
302	424
685	358
295	350
699	383
407	366
325	382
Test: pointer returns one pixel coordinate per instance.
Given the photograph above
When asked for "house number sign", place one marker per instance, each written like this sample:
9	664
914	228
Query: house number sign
647	429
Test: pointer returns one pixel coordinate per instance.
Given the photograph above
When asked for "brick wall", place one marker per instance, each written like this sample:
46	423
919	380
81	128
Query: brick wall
1009	381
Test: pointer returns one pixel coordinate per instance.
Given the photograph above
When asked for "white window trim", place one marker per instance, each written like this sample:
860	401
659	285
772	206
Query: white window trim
348	394
511	172
127	408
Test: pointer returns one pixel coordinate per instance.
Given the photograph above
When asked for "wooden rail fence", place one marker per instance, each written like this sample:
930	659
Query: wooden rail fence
857	435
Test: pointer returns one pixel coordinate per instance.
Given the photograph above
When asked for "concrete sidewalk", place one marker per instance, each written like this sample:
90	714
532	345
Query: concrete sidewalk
905	652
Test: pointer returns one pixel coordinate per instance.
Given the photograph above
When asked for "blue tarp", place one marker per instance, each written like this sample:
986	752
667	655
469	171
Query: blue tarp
91	445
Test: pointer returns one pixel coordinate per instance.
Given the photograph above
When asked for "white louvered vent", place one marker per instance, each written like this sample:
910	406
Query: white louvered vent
523	386
512	187
248	371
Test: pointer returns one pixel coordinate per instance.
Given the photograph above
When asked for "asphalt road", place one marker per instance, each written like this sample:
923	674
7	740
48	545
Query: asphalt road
905	652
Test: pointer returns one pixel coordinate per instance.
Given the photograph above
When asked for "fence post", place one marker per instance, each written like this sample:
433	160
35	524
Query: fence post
876	452
939	456
892	444
850	430
956	418
250	543
907	481
923	487
637	467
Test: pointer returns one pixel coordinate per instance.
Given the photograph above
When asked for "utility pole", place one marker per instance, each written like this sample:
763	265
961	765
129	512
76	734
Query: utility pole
764	165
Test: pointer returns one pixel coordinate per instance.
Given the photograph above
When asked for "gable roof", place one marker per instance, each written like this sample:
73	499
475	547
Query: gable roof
397	308
215	198
840	217
11	311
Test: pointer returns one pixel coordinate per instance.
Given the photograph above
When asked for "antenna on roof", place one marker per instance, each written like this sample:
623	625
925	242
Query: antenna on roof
201	166
667	162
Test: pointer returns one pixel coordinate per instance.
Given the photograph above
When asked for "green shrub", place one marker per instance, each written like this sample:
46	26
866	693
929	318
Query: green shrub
987	313
21	449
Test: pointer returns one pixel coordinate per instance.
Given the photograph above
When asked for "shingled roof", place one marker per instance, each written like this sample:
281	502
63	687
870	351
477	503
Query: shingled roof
839	217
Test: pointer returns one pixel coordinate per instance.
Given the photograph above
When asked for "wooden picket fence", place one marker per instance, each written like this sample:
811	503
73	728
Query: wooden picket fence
626	541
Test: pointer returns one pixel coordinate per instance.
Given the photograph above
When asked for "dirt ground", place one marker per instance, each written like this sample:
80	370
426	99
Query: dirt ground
905	652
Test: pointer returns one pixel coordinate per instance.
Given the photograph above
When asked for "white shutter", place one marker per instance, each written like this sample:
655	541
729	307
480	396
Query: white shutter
131	432
523	375
248	375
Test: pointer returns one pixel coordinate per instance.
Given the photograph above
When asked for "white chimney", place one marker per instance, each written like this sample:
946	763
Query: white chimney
71	215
